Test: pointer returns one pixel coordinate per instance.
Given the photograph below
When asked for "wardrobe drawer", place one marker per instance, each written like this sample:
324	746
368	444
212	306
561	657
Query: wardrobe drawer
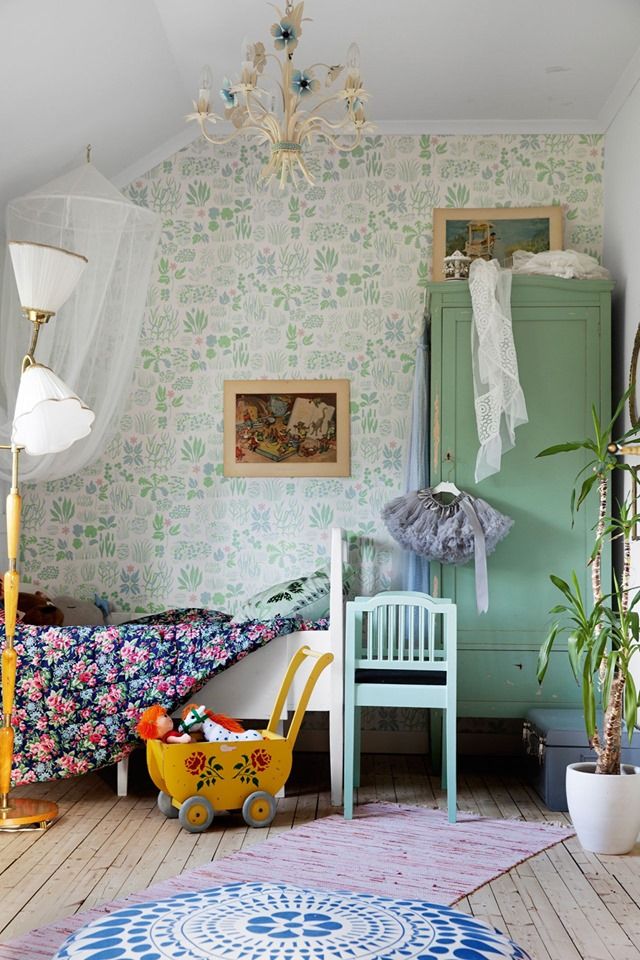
504	683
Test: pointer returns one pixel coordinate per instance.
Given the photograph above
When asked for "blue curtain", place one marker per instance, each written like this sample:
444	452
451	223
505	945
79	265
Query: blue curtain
415	569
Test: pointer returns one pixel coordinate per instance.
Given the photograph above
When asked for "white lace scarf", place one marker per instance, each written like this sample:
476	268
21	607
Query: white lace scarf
499	402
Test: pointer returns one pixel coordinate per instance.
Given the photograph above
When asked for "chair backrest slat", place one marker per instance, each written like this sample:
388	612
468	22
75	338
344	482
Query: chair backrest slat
404	629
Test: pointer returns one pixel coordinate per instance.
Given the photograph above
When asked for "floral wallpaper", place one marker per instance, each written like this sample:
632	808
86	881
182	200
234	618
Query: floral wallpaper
254	282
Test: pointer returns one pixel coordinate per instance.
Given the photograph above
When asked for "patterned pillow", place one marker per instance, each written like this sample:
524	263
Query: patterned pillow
307	597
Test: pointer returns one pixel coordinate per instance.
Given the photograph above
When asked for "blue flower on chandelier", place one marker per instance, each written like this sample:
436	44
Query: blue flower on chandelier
285	34
227	94
303	83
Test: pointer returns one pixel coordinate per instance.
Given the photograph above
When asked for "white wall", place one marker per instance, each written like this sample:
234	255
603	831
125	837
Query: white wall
621	251
621	220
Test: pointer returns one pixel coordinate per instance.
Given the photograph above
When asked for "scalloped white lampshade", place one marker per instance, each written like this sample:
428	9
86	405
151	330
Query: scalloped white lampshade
46	276
49	417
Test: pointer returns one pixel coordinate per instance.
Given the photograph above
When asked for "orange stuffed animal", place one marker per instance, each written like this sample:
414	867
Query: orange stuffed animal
156	724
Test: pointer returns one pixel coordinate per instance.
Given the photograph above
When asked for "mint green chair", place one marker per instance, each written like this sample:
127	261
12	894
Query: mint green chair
400	651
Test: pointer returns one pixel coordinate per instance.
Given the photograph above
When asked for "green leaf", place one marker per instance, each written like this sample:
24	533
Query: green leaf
588	700
562	585
585	489
573	649
630	704
599	649
545	651
561	448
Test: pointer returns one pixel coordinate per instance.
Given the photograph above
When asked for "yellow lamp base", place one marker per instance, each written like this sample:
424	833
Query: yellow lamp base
25	814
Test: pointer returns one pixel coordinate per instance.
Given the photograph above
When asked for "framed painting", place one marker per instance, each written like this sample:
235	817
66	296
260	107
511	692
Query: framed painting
493	233
286	428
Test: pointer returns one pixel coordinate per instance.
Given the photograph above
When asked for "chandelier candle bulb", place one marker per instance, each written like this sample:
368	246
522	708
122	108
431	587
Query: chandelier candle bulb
204	93
353	57
251	106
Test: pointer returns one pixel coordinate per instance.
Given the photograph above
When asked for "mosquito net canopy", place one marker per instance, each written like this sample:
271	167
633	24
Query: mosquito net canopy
91	343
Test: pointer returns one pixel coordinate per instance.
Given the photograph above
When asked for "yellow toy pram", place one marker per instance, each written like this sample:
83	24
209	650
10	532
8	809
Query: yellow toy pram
196	779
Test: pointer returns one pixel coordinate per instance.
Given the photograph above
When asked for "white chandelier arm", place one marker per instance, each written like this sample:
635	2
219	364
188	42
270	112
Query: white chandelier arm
327	65
267	123
339	146
290	101
222	140
334	98
318	124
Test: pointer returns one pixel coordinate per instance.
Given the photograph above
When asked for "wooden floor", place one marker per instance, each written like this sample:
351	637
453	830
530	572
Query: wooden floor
563	904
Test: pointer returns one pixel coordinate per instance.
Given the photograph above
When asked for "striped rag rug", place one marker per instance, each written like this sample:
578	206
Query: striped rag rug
391	850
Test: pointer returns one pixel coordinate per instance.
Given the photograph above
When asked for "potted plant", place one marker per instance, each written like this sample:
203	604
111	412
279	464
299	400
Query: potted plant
602	637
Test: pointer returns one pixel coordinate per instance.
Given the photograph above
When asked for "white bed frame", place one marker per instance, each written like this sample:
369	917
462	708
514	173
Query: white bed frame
248	689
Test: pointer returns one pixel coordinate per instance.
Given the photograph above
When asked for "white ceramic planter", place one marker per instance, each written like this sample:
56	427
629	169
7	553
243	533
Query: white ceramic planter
604	809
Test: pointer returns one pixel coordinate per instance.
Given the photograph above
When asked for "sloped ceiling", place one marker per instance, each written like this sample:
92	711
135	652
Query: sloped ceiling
121	74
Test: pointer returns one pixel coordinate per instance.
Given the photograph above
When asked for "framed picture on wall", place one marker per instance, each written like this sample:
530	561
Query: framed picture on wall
286	428
493	233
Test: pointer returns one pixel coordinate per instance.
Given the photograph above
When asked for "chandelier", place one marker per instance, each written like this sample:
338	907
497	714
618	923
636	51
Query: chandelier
288	111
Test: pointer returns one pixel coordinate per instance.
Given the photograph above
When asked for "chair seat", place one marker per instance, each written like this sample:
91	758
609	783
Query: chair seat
416	678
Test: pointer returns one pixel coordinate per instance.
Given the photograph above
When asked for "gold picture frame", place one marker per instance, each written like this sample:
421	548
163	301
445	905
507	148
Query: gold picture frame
493	232
286	428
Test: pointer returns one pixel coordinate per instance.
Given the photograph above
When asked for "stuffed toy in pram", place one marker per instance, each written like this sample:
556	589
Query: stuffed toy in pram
214	726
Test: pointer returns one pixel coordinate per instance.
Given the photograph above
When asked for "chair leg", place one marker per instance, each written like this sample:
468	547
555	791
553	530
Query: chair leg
436	739
450	755
349	757
357	746
443	748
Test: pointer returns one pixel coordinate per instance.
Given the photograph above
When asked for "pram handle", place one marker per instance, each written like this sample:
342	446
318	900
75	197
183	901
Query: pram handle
322	661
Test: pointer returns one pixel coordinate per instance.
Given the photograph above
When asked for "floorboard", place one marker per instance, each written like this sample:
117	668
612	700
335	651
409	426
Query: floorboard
564	904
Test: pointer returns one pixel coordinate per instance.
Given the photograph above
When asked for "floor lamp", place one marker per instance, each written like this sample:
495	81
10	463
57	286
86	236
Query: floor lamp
48	418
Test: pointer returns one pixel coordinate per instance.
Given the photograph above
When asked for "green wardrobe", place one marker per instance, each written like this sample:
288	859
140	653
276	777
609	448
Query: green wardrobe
562	337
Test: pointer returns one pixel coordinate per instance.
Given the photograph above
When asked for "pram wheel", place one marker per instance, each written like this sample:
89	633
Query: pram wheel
259	809
165	806
195	814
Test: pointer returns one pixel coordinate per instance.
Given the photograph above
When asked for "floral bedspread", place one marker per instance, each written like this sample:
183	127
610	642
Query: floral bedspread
80	690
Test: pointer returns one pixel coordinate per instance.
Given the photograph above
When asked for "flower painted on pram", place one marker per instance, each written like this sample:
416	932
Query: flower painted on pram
260	760
195	763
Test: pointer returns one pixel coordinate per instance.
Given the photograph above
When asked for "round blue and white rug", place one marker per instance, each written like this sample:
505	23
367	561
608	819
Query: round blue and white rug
272	921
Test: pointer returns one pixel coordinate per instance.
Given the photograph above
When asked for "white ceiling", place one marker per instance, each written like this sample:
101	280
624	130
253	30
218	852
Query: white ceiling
121	74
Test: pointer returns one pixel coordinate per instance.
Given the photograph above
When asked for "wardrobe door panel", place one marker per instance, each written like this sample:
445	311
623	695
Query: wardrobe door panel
562	352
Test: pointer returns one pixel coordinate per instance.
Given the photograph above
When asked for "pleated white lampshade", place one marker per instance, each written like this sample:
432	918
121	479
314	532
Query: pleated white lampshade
49	417
46	276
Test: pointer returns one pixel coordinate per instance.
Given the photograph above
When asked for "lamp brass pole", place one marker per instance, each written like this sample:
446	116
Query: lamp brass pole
16	813
626	450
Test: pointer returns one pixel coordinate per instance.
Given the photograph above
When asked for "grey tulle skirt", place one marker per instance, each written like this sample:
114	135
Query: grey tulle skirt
421	522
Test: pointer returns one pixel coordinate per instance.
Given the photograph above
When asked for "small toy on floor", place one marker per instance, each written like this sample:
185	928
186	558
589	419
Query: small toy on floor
156	724
215	726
